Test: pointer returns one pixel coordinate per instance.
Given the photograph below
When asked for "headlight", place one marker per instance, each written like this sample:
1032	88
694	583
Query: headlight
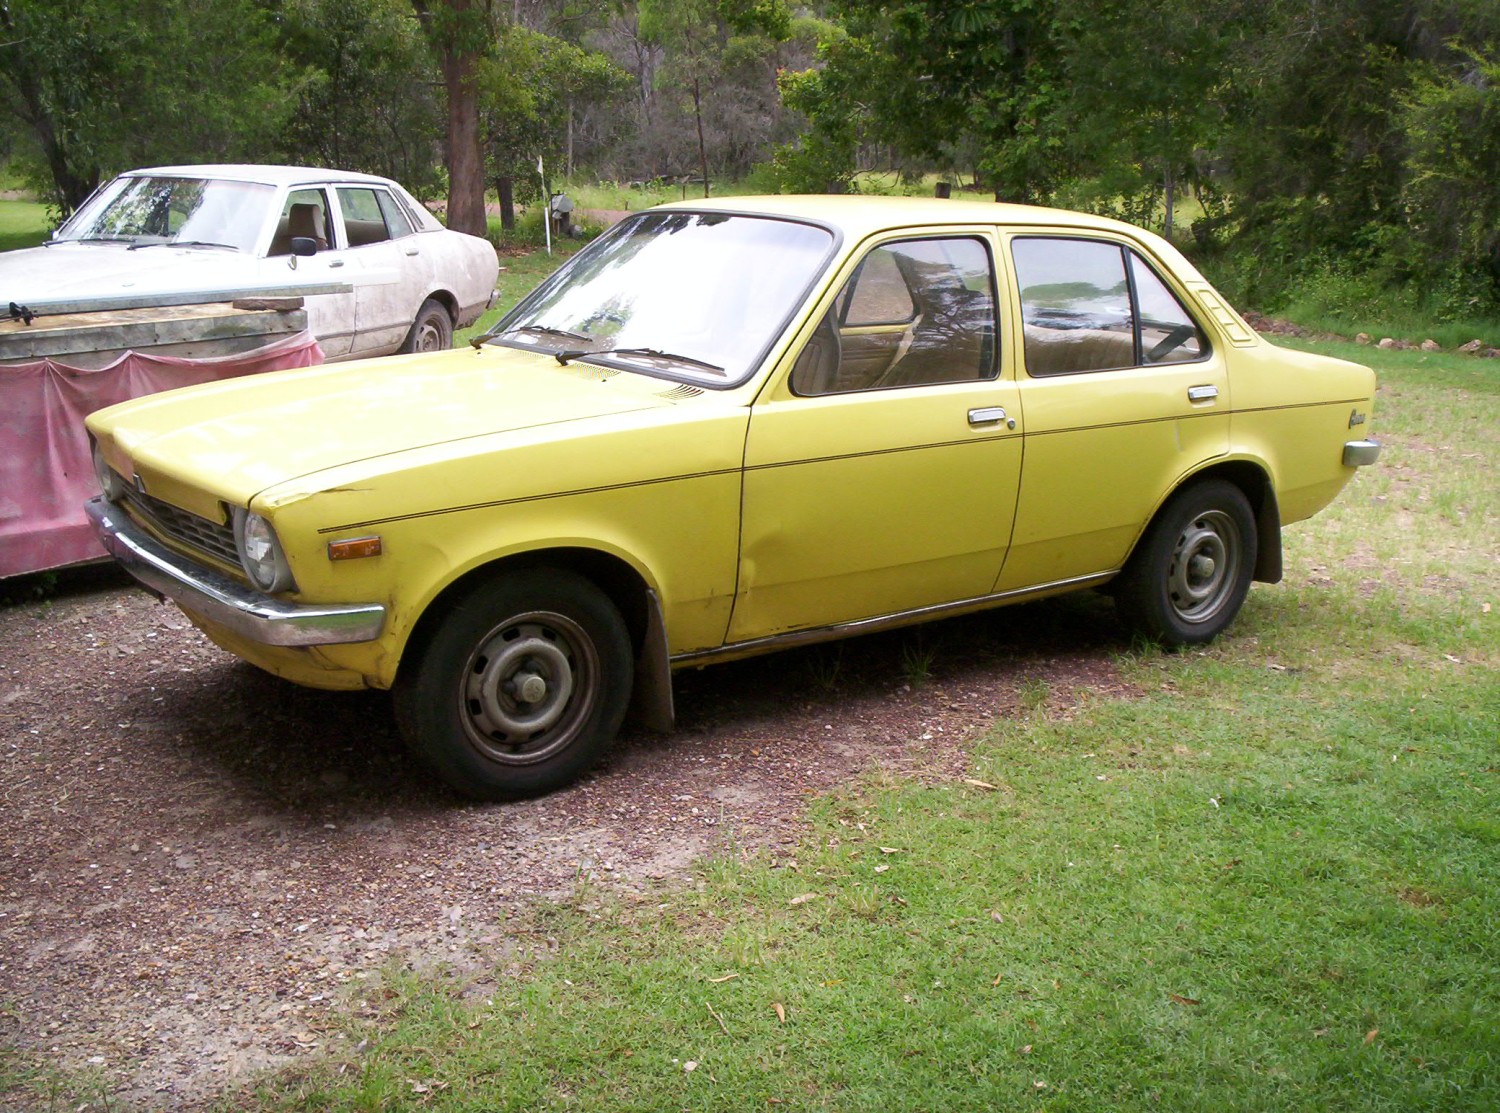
110	481
260	552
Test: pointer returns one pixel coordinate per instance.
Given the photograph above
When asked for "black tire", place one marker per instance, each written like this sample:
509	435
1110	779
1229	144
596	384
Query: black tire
432	331
1189	575
520	686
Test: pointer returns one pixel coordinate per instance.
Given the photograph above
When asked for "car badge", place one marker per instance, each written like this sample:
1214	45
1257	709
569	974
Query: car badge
1356	418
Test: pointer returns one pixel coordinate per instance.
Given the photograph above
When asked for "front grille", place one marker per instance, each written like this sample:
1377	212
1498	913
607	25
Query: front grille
210	538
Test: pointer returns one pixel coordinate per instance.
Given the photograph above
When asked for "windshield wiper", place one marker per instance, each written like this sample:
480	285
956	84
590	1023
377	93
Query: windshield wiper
566	357
542	330
182	243
94	239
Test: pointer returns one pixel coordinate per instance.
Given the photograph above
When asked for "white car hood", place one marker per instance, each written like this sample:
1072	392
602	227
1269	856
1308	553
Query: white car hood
76	271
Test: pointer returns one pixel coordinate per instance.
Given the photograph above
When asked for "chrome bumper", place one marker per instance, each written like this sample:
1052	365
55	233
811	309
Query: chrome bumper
214	597
1359	453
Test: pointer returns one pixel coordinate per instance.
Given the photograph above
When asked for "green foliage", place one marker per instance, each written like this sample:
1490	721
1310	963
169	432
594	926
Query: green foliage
529	85
105	85
364	98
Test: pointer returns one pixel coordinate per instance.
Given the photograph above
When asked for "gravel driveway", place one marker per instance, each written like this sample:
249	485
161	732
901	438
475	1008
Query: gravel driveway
196	856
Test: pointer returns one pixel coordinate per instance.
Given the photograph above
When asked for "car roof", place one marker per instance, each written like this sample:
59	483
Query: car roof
267	175
861	215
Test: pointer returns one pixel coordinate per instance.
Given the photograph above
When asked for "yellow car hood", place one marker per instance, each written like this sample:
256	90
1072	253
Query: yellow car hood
239	437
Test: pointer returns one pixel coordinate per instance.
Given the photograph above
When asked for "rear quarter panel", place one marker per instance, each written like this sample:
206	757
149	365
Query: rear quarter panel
1293	413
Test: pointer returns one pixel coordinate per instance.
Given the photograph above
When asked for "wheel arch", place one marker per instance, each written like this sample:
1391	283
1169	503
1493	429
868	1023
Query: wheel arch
1255	484
621	582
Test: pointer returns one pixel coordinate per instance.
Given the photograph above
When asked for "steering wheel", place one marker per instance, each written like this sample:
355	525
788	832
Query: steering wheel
1171	342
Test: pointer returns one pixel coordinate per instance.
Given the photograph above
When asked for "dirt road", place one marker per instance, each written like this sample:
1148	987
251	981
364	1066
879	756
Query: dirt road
196	857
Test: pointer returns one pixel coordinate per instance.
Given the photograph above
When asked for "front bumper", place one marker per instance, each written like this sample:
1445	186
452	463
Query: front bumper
216	598
1359	454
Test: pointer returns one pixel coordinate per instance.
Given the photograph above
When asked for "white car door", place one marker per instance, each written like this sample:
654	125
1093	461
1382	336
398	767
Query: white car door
307	213
390	273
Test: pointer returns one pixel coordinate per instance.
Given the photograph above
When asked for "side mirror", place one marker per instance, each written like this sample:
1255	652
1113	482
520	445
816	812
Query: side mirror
304	245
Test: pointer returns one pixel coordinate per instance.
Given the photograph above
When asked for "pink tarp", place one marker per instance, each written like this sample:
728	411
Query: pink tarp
46	474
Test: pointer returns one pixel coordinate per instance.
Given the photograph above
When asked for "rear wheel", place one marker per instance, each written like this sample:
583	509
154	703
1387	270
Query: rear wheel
520	687
1191	571
432	331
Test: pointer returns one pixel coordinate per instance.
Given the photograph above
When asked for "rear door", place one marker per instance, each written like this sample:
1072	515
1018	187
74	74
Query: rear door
1123	396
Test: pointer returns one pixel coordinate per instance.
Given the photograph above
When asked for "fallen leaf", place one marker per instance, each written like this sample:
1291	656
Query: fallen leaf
881	869
1319	1033
890	850
725	978
999	919
997	979
980	784
804	898
1371	1034
1039	1084
1180	1000
780	1011
1026	1050
690	1066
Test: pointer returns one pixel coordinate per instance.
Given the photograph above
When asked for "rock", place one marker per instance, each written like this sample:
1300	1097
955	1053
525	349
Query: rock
1387	343
1431	346
1362	338
1472	347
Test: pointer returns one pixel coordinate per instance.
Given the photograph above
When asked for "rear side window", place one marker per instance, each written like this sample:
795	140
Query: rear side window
1092	305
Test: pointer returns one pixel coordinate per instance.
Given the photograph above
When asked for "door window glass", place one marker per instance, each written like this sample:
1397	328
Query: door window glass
305	214
1082	310
364	222
1075	305
915	312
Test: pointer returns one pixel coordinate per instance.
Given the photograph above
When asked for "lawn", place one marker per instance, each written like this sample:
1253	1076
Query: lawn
1266	879
22	224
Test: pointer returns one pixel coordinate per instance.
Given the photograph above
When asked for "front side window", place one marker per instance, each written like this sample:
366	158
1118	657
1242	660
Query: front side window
915	312
1090	305
305	214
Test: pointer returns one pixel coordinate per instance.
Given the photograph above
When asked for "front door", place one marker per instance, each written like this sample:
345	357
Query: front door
881	475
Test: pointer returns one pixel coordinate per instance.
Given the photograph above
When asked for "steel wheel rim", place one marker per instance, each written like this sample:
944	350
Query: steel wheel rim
1205	566
528	687
429	337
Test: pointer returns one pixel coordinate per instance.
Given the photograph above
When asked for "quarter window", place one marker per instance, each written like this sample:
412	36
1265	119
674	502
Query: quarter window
915	312
1088	305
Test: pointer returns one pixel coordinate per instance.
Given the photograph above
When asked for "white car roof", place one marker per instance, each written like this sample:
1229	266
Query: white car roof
268	175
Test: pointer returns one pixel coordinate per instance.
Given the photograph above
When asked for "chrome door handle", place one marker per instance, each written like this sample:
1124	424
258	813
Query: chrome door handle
335	263
1202	393
987	415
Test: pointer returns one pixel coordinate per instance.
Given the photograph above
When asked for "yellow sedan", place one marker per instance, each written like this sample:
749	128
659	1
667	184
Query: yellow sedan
724	428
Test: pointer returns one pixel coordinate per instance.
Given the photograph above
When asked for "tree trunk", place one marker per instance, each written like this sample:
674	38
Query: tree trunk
505	187
465	161
1171	197
702	148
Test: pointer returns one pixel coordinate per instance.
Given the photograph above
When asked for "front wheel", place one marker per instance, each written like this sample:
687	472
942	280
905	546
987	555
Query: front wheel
520	686
1190	573
432	331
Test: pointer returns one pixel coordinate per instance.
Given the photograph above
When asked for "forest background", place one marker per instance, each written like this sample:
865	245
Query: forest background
1331	154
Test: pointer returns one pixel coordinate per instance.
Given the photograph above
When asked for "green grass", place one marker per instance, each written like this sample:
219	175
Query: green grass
22	224
1268	881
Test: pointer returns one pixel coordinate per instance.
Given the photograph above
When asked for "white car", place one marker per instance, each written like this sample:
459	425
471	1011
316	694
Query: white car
407	282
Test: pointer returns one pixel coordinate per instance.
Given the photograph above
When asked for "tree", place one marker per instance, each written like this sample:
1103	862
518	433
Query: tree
101	86
461	33
366	95
528	90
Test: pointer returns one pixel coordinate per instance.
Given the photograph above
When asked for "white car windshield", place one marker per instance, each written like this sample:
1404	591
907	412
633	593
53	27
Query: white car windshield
190	212
688	295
